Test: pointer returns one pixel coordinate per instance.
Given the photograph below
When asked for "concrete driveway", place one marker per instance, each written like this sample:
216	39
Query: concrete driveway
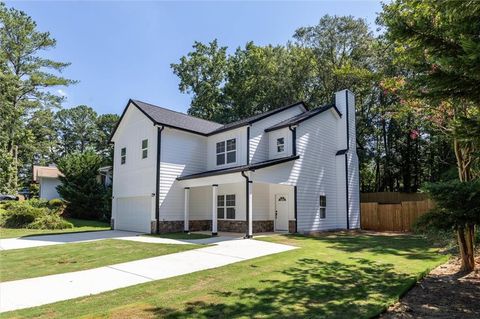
46	240
43	290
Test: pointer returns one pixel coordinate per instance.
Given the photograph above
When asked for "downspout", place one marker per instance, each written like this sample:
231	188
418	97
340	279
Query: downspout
112	224
294	153
347	118
247	181
248	145
157	182
294	140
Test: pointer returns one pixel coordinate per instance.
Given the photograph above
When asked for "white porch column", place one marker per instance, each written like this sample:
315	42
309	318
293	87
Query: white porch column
214	209
249	209
186	210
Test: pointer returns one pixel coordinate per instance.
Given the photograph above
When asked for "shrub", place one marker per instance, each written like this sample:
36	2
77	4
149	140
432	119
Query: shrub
50	221
18	216
55	202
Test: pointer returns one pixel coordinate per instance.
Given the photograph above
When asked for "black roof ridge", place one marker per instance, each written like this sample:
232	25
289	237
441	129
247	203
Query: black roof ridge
178	112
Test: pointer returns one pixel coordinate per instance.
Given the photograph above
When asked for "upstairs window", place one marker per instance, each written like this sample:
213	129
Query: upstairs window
144	149
123	155
323	206
280	144
226	151
226	206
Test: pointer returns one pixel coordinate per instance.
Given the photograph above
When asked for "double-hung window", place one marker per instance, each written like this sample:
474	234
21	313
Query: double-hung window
226	206
323	206
144	149
226	151
280	145
123	155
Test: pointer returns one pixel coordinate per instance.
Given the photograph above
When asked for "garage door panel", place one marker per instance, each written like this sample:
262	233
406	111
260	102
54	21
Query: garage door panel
133	214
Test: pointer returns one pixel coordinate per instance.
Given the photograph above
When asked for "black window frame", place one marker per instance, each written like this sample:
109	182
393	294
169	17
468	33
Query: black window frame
226	203
123	155
145	149
322	201
223	153
282	145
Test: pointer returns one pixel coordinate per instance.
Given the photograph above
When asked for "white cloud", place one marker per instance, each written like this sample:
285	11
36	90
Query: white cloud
62	93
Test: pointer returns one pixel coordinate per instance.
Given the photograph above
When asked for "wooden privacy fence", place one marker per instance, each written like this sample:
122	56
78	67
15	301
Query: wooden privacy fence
393	217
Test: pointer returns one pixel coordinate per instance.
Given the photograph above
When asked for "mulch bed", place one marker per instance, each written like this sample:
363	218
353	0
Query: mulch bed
444	293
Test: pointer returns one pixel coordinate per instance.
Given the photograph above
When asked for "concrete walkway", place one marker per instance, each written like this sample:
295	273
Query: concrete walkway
46	240
33	292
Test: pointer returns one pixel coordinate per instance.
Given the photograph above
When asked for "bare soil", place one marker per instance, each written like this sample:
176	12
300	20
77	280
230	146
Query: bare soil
444	293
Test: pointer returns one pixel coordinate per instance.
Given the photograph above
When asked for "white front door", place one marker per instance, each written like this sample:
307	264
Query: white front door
281	212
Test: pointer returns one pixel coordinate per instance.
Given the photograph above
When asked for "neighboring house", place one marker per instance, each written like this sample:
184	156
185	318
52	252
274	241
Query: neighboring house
290	169
47	179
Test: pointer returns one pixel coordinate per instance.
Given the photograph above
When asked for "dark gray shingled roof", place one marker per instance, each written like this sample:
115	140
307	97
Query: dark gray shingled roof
302	117
257	117
241	168
185	122
176	119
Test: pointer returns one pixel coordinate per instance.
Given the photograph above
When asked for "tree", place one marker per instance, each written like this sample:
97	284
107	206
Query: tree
437	41
85	196
76	128
458	208
25	80
105	125
202	73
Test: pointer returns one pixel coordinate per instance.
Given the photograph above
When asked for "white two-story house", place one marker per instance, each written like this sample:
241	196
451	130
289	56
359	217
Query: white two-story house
291	169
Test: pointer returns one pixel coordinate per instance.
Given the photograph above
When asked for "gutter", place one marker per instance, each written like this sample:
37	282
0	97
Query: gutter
157	180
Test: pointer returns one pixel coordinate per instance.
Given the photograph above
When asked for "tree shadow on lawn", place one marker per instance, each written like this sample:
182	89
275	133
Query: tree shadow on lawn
310	289
407	246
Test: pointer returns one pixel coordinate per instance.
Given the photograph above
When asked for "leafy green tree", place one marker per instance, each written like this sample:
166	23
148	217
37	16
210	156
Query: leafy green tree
437	42
85	196
105	126
25	80
202	73
76	128
458	208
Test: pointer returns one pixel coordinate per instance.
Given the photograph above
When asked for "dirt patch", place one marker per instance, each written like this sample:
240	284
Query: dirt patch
444	293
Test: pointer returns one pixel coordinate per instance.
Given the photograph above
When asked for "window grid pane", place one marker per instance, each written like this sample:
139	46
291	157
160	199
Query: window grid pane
280	148
124	151
123	159
220	147
323	212
220	212
323	201
221	159
231	145
280	141
231	157
230	213
144	153
230	200
220	200
144	144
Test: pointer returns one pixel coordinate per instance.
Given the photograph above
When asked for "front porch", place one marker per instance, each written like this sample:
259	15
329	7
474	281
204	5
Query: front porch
236	206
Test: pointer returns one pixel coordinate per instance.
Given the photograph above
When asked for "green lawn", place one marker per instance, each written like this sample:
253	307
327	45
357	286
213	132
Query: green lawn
180	235
333	276
80	225
49	260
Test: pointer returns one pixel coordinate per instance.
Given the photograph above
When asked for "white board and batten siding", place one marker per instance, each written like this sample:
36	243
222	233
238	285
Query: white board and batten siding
260	140
182	153
133	203
48	188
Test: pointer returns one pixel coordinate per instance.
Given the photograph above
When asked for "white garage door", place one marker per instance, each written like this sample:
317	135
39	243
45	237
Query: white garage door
134	214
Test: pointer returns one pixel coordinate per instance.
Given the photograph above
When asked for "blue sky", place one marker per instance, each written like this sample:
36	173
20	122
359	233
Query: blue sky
122	50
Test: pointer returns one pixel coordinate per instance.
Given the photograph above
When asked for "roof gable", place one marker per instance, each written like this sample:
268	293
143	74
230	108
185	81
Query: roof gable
173	119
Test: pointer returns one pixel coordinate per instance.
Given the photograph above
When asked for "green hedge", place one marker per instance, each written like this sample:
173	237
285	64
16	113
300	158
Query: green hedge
35	213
